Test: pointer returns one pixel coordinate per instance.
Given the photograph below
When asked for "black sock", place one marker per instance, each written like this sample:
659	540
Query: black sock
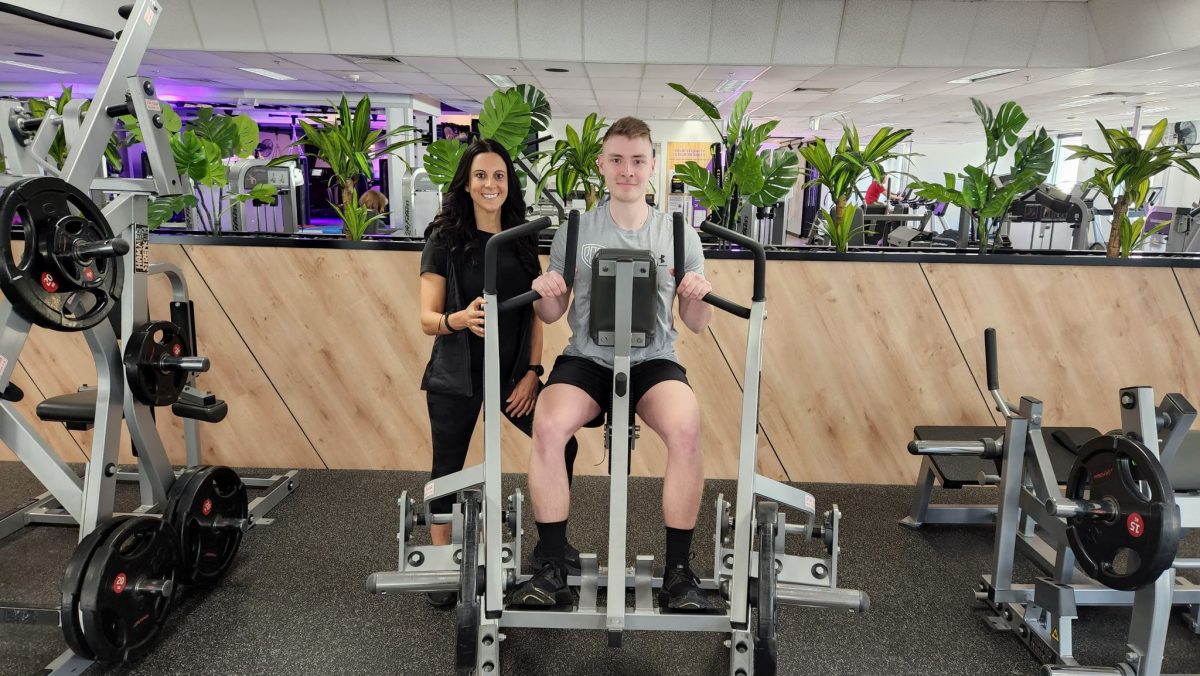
679	546
552	540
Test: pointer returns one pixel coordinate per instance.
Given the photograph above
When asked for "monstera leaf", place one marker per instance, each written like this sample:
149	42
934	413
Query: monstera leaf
539	107
711	196
441	161
505	119
780	170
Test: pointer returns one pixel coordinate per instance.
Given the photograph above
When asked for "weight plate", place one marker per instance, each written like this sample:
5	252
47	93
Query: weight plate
208	496
148	382
766	648
467	612
48	209
120	617
73	583
1139	540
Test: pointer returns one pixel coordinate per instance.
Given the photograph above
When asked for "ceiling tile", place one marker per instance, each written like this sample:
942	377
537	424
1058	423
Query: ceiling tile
614	70
622	84
226	25
485	28
617	41
319	61
497	66
938	33
678	31
870	88
282	21
550	29
676	73
869	31
421	28
461	80
808	32
357	26
176	28
744	32
793	72
437	65
723	72
993	43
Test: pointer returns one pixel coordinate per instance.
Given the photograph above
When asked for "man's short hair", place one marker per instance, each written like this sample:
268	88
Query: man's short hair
629	127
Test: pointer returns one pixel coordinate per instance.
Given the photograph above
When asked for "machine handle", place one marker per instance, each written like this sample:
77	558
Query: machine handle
57	22
989	350
493	246
760	259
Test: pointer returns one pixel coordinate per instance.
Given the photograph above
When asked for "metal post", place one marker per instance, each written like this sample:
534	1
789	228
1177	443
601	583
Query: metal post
618	421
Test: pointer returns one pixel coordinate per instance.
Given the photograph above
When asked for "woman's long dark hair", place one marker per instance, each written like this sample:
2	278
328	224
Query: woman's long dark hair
455	221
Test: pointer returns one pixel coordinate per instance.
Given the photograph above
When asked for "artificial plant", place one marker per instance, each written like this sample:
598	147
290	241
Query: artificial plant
1124	180
839	172
574	163
348	144
752	176
982	195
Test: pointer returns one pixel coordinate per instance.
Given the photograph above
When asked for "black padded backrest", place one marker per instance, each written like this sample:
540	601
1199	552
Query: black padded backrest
603	320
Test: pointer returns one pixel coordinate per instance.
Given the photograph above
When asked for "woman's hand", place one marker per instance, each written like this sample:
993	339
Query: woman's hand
523	397
470	318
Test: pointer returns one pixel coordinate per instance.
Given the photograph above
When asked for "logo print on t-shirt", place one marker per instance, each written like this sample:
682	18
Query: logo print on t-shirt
588	252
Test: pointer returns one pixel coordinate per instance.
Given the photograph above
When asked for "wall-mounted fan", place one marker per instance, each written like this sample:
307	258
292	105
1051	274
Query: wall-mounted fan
266	149
1185	134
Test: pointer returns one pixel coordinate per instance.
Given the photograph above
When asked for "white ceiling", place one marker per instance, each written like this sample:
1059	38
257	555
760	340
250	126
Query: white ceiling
850	49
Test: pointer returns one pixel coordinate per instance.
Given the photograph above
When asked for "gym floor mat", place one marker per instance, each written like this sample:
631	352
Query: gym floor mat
295	601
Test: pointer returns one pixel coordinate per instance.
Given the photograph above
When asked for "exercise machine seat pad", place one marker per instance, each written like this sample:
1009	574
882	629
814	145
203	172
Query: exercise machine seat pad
961	470
76	408
1184	471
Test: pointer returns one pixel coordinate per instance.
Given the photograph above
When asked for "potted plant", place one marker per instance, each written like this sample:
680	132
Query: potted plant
752	176
981	195
349	145
839	172
1125	179
573	164
201	153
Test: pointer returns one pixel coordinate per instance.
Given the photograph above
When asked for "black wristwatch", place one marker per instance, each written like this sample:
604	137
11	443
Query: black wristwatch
538	370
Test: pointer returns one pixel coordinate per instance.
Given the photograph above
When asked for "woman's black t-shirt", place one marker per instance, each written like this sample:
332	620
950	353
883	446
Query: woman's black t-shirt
513	280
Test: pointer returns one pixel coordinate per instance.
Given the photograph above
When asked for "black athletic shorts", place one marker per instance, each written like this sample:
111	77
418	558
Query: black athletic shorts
597	380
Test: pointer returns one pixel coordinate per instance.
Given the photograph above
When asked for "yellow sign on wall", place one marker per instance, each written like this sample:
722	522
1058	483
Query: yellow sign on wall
681	152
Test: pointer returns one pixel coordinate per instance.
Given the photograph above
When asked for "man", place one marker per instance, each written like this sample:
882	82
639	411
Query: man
580	386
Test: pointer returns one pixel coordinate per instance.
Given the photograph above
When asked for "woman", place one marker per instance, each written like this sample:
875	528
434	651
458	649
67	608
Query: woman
483	198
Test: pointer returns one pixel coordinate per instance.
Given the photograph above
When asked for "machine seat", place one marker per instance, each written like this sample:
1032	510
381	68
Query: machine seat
78	410
959	471
1184	471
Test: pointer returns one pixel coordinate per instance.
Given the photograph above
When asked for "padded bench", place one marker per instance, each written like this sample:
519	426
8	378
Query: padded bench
957	471
77	410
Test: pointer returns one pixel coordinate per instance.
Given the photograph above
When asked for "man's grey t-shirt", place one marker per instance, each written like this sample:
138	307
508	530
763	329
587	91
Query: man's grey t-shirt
597	231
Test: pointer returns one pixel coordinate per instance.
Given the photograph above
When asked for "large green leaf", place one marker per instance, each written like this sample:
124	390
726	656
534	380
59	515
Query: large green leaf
219	129
781	170
506	119
746	170
216	174
441	161
737	118
247	130
188	151
539	107
707	107
161	209
710	195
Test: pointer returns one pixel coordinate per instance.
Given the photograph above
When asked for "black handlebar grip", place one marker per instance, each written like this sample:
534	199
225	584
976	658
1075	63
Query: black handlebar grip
677	234
55	21
501	238
989	350
760	254
572	247
125	10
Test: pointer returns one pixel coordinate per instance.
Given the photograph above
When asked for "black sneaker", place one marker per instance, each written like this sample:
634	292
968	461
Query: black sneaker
570	554
441	599
546	589
681	592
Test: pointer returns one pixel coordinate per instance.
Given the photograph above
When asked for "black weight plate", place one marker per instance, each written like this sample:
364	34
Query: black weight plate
467	612
35	284
206	553
1131	549
766	647
150	384
73	583
176	493
121	623
75	273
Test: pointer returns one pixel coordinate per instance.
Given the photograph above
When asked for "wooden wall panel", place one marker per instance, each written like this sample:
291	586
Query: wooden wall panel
1072	336
854	355
351	374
